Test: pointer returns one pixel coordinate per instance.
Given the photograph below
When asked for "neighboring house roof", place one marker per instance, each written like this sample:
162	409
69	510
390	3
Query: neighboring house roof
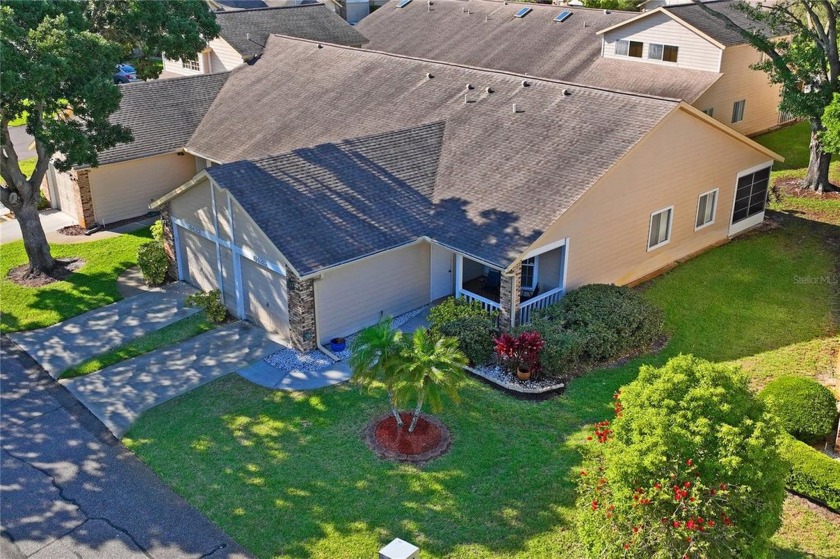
247	30
474	176
162	114
491	37
236	4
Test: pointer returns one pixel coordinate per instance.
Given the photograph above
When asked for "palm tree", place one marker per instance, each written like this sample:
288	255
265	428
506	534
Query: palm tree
432	366
376	356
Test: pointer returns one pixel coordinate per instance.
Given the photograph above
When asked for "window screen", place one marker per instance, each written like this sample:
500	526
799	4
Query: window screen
751	195
706	209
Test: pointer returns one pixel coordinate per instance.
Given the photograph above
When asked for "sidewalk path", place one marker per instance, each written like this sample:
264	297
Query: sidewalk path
70	489
95	332
118	394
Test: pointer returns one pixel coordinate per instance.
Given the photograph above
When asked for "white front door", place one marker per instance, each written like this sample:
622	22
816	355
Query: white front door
443	272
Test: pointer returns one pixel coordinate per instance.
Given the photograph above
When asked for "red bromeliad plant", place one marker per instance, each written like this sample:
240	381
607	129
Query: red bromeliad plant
522	351
687	468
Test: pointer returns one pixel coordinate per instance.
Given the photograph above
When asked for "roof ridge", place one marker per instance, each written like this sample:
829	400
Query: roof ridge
266	8
690	3
477	69
541	6
173	79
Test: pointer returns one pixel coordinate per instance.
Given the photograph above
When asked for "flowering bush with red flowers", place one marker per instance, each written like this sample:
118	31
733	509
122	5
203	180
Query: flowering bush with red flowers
520	351
688	467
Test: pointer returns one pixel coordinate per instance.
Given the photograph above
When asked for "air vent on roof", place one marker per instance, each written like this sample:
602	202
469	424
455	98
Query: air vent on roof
522	12
515	109
489	90
563	16
526	83
403	3
566	92
429	75
470	86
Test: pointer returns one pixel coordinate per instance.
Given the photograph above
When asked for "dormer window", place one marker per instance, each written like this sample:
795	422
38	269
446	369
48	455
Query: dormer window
629	48
665	53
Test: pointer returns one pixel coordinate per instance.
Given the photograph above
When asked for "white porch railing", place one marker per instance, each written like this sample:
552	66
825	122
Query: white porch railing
539	302
486	304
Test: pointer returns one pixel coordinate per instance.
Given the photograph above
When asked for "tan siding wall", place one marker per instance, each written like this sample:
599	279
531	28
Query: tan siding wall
695	52
123	190
222	56
739	81
68	199
357	295
608	227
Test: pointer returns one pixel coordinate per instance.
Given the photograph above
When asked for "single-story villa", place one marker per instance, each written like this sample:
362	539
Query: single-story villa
432	179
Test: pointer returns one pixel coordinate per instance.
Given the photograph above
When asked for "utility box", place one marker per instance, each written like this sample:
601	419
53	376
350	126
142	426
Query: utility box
399	549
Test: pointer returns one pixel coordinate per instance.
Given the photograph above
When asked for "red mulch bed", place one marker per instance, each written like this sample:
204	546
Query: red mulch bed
72	230
63	269
429	440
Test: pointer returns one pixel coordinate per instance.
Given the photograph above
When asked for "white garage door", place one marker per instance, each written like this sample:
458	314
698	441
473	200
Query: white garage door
199	255
266	297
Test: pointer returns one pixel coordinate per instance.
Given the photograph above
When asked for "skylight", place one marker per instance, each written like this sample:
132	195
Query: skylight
403	3
563	16
521	13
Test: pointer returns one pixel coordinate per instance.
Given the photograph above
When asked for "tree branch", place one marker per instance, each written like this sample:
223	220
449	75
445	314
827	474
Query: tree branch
9	161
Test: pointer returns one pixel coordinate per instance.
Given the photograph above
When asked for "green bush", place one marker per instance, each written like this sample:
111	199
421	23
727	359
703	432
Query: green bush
153	262
453	309
211	303
806	408
690	466
157	231
563	348
611	320
474	335
812	474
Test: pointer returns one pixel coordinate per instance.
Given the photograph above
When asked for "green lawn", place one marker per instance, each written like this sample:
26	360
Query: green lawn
94	285
176	332
288	475
791	143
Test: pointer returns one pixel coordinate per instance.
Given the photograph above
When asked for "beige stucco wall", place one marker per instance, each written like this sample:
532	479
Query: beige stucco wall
738	82
608	227
351	297
695	52
123	190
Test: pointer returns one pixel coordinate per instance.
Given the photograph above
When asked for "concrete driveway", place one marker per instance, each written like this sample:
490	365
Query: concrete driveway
70	489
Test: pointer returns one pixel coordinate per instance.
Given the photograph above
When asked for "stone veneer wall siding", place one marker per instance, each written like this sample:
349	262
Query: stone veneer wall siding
86	216
301	313
509	298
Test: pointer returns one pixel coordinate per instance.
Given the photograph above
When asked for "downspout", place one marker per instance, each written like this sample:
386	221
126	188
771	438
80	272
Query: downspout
327	352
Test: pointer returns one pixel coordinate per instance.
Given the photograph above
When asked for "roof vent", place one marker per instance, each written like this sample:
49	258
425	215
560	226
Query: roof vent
247	36
320	46
489	90
566	92
429	75
470	86
526	83
515	109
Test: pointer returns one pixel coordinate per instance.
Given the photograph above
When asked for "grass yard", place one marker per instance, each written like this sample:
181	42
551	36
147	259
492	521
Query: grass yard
176	332
792	143
288	475
94	285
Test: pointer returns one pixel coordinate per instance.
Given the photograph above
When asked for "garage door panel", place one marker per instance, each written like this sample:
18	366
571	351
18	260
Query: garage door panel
200	257
266	297
228	279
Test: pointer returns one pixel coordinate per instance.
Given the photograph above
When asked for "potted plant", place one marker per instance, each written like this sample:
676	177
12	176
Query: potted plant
338	344
521	354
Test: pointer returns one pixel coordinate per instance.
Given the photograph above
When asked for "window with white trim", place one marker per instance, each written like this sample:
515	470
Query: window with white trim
660	228
191	64
706	209
528	273
751	194
665	53
738	110
710	111
629	48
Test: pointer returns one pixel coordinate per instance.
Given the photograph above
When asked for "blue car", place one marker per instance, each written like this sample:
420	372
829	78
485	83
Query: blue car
125	73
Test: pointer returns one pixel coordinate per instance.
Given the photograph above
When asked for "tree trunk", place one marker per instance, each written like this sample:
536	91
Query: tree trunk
34	239
394	409
817	177
416	413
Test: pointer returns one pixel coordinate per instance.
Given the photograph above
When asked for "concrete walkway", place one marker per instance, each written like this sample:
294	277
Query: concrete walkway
84	336
70	489
271	377
118	394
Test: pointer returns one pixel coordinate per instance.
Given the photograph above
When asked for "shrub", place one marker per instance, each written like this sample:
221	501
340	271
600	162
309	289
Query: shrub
153	262
612	320
812	474
474	335
157	231
211	303
453	309
806	408
521	351
689	467
563	348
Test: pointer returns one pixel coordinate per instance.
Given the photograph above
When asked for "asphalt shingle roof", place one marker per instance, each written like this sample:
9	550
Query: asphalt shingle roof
247	30
162	114
695	16
472	175
490	37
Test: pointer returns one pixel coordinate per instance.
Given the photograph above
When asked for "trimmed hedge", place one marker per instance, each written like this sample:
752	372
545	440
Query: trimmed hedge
474	335
806	408
452	309
153	262
563	348
813	474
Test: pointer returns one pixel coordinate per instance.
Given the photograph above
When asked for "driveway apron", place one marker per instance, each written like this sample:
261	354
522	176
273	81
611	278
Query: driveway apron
68	343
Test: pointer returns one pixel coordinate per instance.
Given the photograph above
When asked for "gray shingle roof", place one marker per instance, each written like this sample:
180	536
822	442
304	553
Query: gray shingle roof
490	37
162	114
247	30
475	176
695	16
